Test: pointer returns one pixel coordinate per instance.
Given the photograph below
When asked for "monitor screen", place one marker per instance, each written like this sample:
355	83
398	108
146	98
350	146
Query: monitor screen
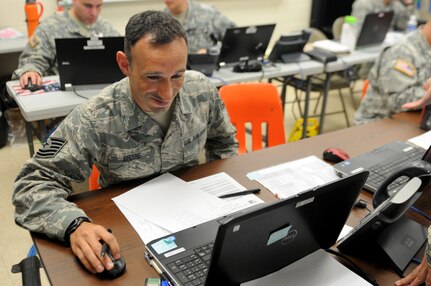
289	44
243	44
88	61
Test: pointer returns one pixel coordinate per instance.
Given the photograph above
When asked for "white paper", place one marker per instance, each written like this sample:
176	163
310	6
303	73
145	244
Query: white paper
423	140
293	177
317	269
215	185
171	203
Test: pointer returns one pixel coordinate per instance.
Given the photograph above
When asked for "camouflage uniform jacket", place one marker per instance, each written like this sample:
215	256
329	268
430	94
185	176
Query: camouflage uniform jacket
204	26
396	78
112	132
361	8
39	54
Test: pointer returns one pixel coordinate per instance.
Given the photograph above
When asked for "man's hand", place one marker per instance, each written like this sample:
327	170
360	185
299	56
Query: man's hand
421	274
35	77
85	244
426	99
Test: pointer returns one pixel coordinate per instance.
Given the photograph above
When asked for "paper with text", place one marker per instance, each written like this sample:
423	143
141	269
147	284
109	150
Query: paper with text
423	140
293	177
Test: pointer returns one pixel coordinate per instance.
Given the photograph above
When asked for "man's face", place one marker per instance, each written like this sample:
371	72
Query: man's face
156	73
176	6
87	11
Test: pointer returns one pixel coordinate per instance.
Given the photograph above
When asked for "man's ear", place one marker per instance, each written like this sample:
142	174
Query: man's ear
123	63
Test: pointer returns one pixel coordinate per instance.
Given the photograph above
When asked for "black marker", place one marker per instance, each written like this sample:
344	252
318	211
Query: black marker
242	193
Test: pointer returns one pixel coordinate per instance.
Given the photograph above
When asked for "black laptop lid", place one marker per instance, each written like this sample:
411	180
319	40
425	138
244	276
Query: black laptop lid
374	29
268	239
85	61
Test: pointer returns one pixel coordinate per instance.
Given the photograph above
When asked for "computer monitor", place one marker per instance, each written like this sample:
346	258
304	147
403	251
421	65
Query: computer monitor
244	47
289	48
88	61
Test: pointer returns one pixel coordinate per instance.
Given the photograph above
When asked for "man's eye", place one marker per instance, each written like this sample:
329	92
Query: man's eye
177	76
153	77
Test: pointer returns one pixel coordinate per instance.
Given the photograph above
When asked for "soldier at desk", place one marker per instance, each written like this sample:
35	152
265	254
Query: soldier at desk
39	58
204	25
397	76
158	119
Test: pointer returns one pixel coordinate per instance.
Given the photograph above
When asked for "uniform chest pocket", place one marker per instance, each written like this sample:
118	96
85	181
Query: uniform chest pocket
194	145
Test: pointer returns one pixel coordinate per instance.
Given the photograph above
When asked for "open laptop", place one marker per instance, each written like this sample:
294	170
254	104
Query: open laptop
88	63
382	162
374	29
204	63
255	242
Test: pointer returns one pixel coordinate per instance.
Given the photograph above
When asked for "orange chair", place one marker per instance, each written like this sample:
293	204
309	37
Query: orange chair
364	88
93	181
255	103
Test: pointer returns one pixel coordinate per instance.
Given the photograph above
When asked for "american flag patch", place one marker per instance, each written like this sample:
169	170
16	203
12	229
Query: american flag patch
405	67
51	147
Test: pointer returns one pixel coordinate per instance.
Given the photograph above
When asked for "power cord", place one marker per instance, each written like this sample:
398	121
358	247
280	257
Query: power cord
357	269
80	95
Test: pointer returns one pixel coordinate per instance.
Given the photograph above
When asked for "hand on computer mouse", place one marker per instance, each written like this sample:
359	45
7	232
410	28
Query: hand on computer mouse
335	155
119	265
32	87
35	77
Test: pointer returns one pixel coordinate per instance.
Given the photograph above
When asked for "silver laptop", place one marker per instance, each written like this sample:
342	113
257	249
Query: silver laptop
238	248
88	63
374	29
381	163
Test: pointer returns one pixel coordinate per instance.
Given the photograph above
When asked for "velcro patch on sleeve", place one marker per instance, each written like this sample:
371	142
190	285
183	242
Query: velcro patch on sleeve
51	147
33	41
405	67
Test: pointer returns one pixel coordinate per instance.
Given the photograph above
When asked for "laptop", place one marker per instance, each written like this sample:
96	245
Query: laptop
374	29
88	63
257	241
204	63
382	162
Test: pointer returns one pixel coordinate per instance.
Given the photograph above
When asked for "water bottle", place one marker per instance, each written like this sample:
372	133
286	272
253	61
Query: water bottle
33	12
349	32
412	23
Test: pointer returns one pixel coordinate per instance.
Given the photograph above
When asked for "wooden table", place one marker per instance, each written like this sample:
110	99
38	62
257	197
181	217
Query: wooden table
63	268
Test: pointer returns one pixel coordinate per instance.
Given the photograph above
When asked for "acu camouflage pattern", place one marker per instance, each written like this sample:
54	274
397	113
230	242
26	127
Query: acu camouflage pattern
112	132
361	8
389	88
204	25
42	56
428	248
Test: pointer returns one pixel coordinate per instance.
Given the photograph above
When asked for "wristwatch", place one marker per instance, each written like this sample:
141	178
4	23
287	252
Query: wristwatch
74	225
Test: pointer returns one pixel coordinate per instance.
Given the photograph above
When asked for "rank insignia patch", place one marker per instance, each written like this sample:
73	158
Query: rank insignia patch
50	148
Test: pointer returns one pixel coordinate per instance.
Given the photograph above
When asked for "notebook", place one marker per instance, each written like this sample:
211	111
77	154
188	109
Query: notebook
204	63
374	29
88	63
257	241
381	162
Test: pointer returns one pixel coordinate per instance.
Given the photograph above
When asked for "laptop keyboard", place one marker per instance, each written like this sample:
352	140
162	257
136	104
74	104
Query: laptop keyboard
193	269
379	173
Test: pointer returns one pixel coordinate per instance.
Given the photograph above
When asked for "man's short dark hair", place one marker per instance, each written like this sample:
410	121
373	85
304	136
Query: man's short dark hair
162	27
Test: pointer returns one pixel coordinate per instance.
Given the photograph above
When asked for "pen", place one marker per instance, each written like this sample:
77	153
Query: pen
105	246
242	193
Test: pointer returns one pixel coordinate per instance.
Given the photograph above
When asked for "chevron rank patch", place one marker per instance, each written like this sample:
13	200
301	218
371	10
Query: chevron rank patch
50	148
405	67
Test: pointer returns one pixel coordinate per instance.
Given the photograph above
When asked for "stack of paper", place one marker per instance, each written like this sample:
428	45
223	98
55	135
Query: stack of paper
331	46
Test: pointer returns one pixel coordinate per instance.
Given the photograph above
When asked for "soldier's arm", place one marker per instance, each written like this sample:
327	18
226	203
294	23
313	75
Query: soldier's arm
360	9
44	183
38	55
221	142
220	24
402	15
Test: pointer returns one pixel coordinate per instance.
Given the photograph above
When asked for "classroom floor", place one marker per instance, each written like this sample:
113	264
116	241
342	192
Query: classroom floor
15	241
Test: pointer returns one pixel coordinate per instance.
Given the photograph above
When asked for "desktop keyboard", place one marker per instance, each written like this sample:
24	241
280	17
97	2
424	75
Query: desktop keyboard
379	173
192	270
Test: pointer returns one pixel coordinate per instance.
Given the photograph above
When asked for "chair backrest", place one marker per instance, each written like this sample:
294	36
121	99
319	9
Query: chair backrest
257	104
337	27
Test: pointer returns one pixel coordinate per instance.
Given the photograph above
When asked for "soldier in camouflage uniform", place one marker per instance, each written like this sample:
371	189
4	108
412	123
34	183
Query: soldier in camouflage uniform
204	25
397	76
158	119
81	20
402	13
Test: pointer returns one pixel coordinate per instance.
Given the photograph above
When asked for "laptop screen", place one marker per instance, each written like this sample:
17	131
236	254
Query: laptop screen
374	29
85	61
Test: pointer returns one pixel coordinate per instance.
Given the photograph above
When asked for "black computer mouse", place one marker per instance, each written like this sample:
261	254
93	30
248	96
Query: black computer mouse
117	270
32	87
335	155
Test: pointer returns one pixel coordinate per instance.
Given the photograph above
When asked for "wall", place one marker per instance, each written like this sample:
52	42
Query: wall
290	15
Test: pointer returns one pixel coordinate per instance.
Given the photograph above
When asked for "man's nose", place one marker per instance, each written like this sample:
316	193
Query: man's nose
165	91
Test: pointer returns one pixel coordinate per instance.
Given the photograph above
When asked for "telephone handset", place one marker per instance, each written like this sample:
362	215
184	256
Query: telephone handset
420	169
